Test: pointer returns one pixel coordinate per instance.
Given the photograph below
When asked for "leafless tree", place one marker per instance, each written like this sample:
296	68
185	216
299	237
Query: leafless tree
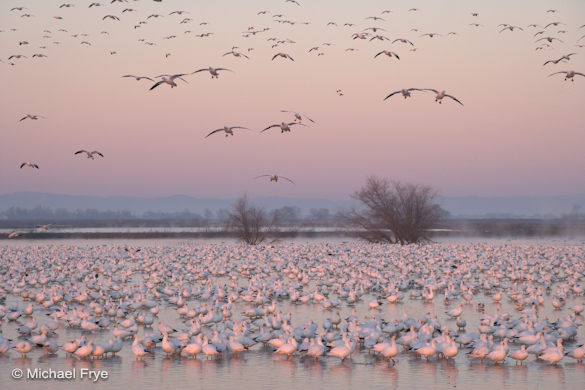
251	224
395	212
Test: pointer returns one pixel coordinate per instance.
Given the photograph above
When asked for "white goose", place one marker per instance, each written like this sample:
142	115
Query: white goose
169	79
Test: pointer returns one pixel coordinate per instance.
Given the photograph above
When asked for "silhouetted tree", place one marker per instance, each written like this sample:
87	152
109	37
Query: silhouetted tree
395	212
251	224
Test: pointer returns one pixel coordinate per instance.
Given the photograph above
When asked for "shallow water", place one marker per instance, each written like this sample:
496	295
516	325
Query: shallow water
259	368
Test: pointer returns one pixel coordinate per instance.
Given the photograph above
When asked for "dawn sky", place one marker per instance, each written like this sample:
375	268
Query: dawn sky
518	133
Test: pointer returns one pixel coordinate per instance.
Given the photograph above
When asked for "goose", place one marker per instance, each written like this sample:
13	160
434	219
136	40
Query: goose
428	350
84	350
236	54
192	349
570	74
23	348
441	95
388	53
549	39
275	178
29	164
553	24
169	79
228	130
208	349
283	55
89	154
138	78
390	350
113	17
404	92
14	234
577	354
340	352
379	37
284	127
402	40
298	116
137	349
456	312
511	28
430	35
31	116
520	354
213	71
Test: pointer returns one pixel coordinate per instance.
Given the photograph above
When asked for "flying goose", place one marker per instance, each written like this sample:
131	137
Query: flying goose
298	115
169	79
275	178
283	126
227	129
404	92
441	95
213	71
89	154
29	164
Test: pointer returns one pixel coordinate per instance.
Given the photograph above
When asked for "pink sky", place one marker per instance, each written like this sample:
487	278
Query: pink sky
519	133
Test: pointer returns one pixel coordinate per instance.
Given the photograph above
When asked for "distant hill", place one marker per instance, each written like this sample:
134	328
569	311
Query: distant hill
467	206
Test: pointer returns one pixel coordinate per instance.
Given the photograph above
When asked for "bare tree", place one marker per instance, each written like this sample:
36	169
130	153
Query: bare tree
395	212
251	224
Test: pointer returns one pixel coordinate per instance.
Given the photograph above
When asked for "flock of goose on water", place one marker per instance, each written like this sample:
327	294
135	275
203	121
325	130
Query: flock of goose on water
220	301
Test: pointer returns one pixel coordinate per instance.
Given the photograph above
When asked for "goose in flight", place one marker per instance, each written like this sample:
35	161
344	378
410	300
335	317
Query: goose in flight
511	28
283	55
213	71
404	92
441	95
138	78
565	57
376	18
31	116
380	37
113	17
292	1
431	35
298	115
550	39
29	164
89	154
402	40
228	130
275	178
236	54
169	79
388	53
553	24
569	75
44	227
14	234
283	126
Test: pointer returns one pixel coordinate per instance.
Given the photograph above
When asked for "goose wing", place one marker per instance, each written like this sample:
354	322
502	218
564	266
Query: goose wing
454	98
269	127
214	131
156	85
81	151
286	178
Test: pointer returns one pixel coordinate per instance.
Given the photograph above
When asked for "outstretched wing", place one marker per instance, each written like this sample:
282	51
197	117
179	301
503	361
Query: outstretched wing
258	177
286	178
392	94
270	127
98	153
156	85
454	98
80	151
213	132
